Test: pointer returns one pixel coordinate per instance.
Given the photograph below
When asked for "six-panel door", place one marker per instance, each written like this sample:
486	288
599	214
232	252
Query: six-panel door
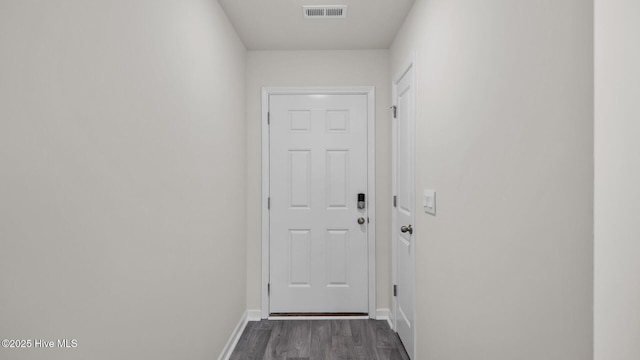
318	166
405	211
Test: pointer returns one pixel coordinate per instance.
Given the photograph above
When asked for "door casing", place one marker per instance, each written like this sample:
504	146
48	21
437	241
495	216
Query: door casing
369	91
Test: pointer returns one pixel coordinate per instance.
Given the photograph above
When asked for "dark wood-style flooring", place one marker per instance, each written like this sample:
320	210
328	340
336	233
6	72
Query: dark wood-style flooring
319	340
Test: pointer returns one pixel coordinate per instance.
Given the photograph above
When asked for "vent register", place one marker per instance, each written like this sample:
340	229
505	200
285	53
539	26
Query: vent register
325	11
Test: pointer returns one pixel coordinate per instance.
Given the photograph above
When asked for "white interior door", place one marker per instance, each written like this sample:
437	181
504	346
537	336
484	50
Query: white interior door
404	211
318	235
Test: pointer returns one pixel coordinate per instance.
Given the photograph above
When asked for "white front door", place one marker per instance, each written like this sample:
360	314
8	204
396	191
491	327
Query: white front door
404	211
318	235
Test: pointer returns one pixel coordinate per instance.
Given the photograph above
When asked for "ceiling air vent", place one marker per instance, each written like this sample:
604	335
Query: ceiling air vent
325	11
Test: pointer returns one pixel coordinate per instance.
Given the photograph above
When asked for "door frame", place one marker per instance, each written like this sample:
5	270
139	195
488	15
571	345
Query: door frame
369	91
407	66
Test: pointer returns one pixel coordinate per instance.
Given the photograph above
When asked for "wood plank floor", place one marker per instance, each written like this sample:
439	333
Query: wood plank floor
319	340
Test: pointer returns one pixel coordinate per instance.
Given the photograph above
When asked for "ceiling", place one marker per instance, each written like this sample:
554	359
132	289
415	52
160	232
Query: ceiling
280	24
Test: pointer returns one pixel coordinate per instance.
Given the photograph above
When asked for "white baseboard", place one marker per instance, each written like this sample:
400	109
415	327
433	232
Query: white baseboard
235	337
249	315
384	314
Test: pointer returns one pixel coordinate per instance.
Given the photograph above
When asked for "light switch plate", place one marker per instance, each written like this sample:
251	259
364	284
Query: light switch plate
429	201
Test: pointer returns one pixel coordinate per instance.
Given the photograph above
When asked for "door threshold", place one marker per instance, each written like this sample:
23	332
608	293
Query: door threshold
318	316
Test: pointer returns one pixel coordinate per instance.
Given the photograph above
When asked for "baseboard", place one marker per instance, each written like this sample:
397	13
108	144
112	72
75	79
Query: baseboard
235	337
384	314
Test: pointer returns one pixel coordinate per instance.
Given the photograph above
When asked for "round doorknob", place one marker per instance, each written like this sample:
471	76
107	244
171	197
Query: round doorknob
361	220
408	229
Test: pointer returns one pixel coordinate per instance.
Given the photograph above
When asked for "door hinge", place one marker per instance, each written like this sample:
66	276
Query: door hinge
268	289
395	290
395	201
269	203
367	219
268	118
395	111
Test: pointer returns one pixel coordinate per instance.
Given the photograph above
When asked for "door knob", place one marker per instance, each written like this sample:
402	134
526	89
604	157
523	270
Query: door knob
408	229
361	220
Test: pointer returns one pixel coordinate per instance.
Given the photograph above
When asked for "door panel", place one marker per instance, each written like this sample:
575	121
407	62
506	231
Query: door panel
404	150
299	179
299	256
318	165
337	179
337	258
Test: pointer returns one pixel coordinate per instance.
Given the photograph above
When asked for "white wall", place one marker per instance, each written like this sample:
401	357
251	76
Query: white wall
617	179
505	135
122	163
318	68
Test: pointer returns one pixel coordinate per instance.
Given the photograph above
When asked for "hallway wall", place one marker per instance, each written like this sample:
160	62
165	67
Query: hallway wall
505	136
318	68
617	175
122	166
